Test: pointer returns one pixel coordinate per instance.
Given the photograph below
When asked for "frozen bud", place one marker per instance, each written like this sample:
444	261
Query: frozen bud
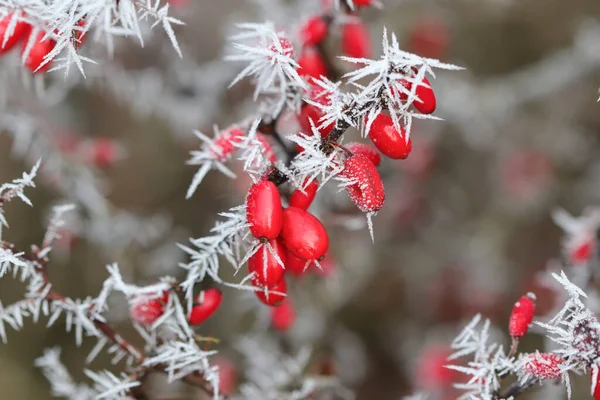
522	315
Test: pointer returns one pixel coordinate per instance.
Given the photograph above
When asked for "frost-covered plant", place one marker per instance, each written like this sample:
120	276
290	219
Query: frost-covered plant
271	233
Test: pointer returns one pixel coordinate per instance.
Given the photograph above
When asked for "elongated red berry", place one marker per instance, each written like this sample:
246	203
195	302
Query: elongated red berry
205	306
367	192
368	151
224	144
311	64
355	40
295	265
362	3
388	139
314	31
543	365
595	385
304	199
37	53
303	234
19	33
425	102
271	298
522	315
311	112
145	310
264	211
283	316
267	147
268	270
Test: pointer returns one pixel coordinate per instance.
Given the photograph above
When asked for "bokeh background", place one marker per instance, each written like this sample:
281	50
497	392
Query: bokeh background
467	223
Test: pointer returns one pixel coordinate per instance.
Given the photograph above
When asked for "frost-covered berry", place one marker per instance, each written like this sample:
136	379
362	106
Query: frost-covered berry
303	199
314	31
311	64
228	375
303	234
366	190
38	51
287	49
145	310
355	40
542	365
267	147
522	315
205	305
224	145
296	265
368	151
268	270
269	297
283	316
388	139
426	101
20	32
310	112
264	211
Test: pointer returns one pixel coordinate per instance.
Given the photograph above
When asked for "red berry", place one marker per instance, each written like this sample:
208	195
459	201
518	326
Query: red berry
228	376
105	152
355	40
596	386
294	265
314	31
368	151
432	373
206	304
267	269
224	144
270	298
283	316
304	199
362	3
286	46
303	234
388	140
368	192
582	252
522	315
428	38
543	365
267	148
311	64
20	32
37	53
264	211
145	310
425	102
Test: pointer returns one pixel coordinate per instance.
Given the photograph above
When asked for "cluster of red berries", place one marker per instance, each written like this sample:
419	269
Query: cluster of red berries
41	47
146	310
291	240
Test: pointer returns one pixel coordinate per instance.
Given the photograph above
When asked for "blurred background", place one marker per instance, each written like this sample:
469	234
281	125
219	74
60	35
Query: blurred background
467	223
